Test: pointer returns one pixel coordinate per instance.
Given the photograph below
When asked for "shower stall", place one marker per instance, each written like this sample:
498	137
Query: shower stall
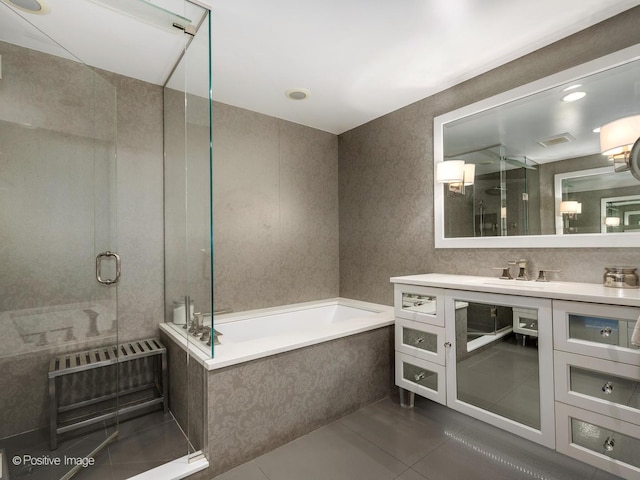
88	110
502	200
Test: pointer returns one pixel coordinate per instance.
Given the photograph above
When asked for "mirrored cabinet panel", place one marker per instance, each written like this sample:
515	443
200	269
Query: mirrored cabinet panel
418	303
420	340
499	367
425	378
596	330
495	370
599	440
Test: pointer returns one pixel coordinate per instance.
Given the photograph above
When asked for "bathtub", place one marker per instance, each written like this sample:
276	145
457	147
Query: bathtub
261	333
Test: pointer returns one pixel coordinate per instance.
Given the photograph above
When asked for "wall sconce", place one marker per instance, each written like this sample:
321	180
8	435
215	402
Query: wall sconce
612	221
617	140
456	173
570	208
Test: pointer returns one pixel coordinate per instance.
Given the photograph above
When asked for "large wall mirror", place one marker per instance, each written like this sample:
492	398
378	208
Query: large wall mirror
526	168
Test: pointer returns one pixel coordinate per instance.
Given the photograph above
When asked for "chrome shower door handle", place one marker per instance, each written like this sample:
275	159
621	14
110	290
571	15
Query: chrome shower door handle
99	258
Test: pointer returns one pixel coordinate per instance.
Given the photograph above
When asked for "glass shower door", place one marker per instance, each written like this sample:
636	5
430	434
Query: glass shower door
58	215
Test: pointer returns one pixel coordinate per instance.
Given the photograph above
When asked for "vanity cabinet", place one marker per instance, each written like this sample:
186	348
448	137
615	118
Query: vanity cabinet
456	347
461	341
597	385
420	342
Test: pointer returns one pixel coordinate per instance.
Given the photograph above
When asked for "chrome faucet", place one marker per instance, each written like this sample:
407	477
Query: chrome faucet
522	270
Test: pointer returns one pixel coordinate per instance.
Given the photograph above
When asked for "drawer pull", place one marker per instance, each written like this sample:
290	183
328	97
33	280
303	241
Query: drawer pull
447	344
606	331
608	445
420	376
419	340
607	388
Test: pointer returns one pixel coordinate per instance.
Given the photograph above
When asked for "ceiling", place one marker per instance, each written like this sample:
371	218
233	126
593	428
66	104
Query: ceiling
360	59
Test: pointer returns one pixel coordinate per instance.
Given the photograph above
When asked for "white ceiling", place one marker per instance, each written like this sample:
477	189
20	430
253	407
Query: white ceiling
360	59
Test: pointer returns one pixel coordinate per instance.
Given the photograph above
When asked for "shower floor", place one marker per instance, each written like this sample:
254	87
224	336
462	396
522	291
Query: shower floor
144	442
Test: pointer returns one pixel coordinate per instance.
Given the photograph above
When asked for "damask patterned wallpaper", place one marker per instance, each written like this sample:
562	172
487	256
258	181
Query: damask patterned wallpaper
386	178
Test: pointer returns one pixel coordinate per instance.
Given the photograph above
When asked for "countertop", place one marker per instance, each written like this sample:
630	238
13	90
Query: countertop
582	292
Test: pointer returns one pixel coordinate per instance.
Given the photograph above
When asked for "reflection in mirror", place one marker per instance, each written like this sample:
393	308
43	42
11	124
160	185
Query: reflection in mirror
595	201
518	142
497	360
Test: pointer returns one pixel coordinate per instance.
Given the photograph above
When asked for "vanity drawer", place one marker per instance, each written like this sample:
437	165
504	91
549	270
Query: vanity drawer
427	379
596	330
420	340
598	440
603	386
420	304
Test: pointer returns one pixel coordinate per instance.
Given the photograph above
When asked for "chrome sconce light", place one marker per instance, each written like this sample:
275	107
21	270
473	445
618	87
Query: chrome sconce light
456	174
620	141
570	208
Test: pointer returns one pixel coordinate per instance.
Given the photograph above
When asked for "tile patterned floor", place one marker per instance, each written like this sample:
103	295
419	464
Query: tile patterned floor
430	442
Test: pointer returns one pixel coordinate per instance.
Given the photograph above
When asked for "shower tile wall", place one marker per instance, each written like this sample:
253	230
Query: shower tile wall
55	107
386	181
275	211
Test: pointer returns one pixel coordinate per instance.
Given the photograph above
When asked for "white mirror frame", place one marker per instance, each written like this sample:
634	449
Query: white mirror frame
620	57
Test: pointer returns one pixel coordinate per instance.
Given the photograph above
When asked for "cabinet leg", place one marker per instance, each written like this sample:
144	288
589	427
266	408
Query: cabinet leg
407	398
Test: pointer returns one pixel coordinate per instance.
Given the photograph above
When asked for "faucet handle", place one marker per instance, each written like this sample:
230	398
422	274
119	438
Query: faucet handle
506	272
542	274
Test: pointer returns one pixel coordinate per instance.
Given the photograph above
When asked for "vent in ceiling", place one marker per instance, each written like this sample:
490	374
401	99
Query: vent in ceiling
557	140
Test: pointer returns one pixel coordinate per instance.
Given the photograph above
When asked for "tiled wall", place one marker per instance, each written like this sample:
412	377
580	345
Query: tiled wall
386	178
275	211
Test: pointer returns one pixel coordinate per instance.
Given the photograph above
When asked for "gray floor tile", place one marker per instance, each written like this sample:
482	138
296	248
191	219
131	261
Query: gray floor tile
247	471
449	419
602	475
407	437
453	460
411	475
161	443
333	452
516	453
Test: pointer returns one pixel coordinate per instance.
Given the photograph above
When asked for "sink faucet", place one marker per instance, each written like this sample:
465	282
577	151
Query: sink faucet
522	270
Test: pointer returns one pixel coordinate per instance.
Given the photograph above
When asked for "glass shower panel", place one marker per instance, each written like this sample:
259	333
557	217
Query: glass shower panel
58	212
188	248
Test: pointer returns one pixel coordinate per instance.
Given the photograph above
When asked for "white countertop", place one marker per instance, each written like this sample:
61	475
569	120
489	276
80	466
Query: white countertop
582	292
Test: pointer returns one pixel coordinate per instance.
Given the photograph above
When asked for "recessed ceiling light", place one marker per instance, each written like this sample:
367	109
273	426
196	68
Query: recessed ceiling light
297	93
572	97
572	87
596	130
40	7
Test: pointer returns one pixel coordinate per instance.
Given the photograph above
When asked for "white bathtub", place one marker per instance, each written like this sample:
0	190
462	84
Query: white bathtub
261	333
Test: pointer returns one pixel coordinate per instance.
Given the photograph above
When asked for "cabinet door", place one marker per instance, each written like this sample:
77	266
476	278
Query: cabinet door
420	340
420	304
427	379
607	387
598	440
491	374
596	330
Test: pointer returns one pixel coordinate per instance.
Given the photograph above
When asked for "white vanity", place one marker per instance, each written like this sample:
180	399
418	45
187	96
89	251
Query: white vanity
549	361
